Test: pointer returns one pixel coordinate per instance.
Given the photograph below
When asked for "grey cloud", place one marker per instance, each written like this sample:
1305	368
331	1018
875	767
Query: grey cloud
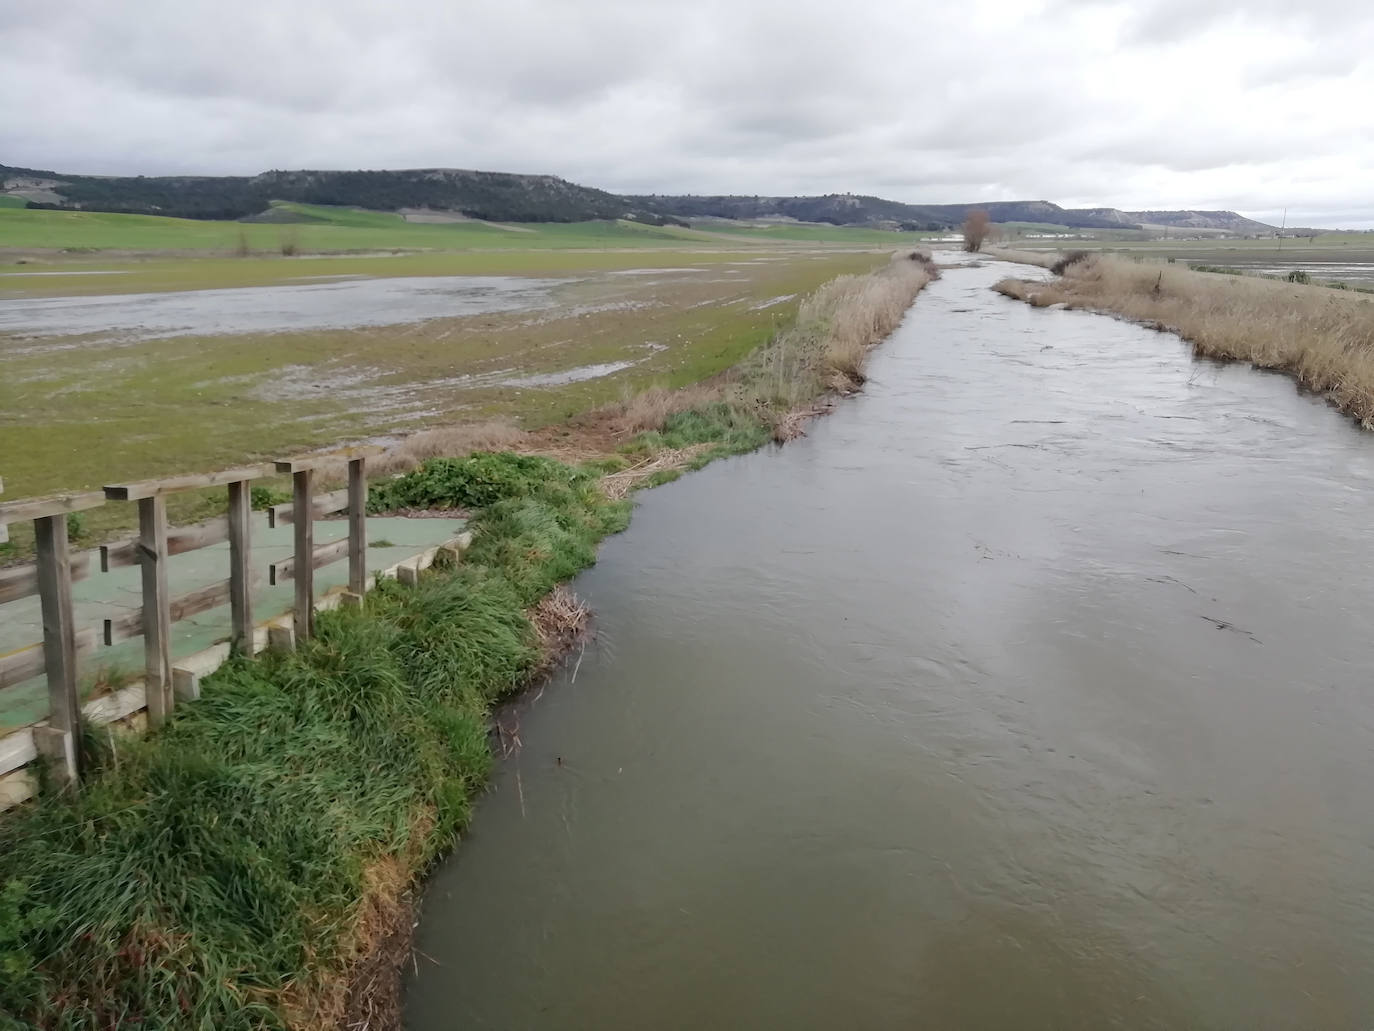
1152	103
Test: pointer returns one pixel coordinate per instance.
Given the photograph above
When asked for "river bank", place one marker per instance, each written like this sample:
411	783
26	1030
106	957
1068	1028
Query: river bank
1322	337
249	865
1028	690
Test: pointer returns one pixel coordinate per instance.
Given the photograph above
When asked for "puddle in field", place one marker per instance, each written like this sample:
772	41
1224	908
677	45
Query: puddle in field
275	309
565	376
650	271
1352	273
771	302
361	387
84	272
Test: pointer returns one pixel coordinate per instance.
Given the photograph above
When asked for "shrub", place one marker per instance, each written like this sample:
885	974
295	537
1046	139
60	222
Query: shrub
1072	258
977	225
1299	276
476	481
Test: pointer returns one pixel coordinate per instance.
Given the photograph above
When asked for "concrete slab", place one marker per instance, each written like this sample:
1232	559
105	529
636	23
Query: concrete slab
118	592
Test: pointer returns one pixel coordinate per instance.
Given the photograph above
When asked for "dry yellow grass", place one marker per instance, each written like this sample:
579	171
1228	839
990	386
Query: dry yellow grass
650	409
836	328
461	439
826	349
1324	338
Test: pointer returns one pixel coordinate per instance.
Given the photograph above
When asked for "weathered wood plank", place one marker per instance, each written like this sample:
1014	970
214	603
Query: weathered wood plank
240	566
59	646
22	581
329	504
180	541
357	526
41	508
16	750
157	623
172	484
303	485
212	596
313	461
323	555
28	662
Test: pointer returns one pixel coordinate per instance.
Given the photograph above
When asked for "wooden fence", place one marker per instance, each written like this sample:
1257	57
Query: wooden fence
65	646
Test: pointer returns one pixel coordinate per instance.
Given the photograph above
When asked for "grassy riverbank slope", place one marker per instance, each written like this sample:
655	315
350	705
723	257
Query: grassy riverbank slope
1322	337
249	866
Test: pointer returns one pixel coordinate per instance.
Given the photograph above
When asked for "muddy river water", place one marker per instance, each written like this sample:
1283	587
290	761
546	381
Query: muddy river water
1033	689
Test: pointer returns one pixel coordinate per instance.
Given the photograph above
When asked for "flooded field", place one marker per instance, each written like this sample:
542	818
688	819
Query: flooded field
1030	690
189	379
340	303
1353	273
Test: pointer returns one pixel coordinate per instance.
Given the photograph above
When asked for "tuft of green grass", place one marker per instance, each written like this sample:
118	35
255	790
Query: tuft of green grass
735	428
216	873
261	497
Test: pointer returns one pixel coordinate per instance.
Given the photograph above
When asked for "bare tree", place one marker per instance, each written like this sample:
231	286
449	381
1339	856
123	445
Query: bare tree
977	225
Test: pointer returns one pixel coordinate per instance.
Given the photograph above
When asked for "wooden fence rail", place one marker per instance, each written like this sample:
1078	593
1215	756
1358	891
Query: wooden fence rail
55	568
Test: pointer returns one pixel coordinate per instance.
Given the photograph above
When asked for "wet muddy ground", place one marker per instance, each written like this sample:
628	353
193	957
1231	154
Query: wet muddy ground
187	380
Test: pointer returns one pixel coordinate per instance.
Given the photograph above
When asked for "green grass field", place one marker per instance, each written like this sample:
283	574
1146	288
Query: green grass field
29	229
81	410
319	229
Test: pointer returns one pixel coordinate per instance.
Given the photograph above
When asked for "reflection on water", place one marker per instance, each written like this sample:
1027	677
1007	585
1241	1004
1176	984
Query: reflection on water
1355	273
1031	690
274	309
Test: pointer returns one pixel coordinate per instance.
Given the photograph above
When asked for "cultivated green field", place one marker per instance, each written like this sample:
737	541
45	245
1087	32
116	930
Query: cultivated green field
1358	247
315	229
109	402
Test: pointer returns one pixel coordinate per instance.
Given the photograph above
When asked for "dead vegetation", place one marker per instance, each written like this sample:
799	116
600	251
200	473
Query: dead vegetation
560	619
461	439
1323	338
827	348
781	385
977	226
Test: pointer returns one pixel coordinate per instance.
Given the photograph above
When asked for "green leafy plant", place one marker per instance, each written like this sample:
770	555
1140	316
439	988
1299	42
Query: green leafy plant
261	497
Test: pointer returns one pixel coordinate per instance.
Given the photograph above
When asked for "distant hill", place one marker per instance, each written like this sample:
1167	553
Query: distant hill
1227	221
511	197
494	196
854	209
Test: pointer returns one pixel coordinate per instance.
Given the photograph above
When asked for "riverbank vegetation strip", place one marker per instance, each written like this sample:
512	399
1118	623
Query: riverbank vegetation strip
1323	337
247	866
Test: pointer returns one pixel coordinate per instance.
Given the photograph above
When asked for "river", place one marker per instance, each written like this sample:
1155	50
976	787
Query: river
1032	689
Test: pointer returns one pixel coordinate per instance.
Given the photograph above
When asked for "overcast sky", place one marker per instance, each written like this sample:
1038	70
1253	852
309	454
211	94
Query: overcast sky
1255	105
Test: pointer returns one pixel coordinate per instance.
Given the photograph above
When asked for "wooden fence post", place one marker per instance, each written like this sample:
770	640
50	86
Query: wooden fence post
240	571
4	527
303	516
157	619
59	740
357	528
